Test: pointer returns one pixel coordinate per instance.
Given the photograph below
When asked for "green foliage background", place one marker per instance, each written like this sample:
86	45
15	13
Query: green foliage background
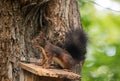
103	29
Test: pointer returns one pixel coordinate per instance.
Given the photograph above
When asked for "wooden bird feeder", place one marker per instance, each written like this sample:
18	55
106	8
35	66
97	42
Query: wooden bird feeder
32	72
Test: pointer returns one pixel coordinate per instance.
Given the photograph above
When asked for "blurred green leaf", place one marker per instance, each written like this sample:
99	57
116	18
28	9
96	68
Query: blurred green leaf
103	56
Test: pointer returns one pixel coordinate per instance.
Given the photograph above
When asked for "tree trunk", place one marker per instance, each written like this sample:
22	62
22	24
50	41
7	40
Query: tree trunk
15	35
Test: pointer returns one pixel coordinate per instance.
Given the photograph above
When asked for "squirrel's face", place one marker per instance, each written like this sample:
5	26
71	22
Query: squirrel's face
38	41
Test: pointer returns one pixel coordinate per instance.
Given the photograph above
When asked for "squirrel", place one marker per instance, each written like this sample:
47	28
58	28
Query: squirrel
73	52
54	53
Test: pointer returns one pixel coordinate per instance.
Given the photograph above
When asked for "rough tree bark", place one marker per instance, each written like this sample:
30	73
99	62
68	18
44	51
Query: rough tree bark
15	36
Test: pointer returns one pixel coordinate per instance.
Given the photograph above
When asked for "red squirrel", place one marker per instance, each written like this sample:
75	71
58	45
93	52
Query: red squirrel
54	53
73	52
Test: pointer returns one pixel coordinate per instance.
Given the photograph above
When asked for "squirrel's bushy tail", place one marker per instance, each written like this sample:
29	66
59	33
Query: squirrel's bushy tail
75	44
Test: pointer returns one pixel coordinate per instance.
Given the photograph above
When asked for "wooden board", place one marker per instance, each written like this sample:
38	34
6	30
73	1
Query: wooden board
38	70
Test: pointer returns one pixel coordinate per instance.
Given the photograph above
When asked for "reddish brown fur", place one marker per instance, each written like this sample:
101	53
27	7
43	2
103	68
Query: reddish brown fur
54	53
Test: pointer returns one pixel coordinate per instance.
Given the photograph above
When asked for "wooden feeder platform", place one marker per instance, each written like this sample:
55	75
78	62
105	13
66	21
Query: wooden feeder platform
32	72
